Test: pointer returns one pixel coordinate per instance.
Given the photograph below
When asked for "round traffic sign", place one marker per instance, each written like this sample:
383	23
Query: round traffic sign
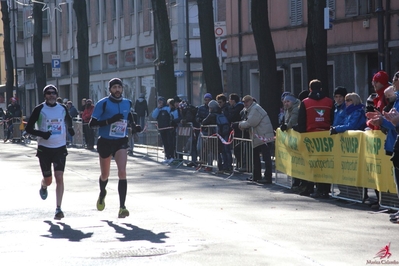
218	31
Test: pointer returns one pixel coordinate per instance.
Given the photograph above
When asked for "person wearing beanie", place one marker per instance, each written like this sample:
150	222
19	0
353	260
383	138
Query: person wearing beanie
291	107
112	115
380	82
51	142
339	105
163	115
216	117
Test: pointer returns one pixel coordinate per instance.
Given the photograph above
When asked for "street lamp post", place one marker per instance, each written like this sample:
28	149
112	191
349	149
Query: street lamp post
187	54
14	9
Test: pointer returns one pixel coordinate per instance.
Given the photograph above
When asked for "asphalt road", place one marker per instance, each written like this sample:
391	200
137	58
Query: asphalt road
177	217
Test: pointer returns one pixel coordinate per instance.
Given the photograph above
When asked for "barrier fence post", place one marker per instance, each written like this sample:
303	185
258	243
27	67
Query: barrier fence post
184	136
78	140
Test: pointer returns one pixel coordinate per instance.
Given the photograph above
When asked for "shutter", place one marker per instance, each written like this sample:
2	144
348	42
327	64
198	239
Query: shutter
351	8
295	12
331	5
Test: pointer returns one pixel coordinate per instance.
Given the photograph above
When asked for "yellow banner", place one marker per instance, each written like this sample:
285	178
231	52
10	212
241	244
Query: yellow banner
353	158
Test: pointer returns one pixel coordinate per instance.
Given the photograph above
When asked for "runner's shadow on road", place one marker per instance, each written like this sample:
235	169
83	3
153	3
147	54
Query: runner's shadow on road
62	230
134	233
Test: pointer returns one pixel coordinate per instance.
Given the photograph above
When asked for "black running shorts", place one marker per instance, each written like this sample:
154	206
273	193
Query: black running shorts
48	156
108	147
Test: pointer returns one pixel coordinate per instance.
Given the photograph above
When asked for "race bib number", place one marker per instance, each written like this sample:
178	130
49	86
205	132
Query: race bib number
118	129
54	126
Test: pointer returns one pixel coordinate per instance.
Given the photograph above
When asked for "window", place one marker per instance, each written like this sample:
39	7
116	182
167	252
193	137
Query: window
296	80
45	23
296	12
139	5
20	26
359	7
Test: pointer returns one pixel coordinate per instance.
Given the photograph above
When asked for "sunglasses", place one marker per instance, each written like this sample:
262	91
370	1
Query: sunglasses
51	93
348	100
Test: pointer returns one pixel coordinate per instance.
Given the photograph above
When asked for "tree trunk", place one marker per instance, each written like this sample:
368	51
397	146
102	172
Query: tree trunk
210	62
7	50
165	63
37	49
82	39
270	92
316	44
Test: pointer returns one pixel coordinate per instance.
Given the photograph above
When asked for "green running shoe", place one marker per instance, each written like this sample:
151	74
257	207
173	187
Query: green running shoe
101	202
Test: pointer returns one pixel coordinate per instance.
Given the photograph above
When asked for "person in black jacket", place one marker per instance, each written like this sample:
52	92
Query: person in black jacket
141	109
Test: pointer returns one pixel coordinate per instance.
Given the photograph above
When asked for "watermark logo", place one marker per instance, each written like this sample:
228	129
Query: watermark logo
382	256
384	252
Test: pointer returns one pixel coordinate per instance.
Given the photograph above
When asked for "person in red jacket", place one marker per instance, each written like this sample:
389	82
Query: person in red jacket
316	113
87	131
380	83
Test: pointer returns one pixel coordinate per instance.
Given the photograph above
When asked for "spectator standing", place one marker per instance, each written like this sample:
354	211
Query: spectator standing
316	113
13	111
339	105
141	109
234	117
73	112
52	120
393	117
163	116
380	83
216	117
202	113
82	106
87	130
112	115
291	107
290	119
262	134
188	113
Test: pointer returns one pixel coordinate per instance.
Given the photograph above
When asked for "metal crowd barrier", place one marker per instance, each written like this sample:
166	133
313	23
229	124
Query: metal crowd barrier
16	132
2	128
389	200
184	141
152	139
349	193
243	154
283	180
208	145
78	138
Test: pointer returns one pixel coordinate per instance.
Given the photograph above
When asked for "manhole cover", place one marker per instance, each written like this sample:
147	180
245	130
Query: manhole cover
141	252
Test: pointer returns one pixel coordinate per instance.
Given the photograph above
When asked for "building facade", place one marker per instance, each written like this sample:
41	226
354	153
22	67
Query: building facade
121	44
352	44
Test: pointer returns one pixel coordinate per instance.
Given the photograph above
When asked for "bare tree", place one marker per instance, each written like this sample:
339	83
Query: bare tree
269	88
7	49
316	44
210	63
37	48
164	62
82	39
